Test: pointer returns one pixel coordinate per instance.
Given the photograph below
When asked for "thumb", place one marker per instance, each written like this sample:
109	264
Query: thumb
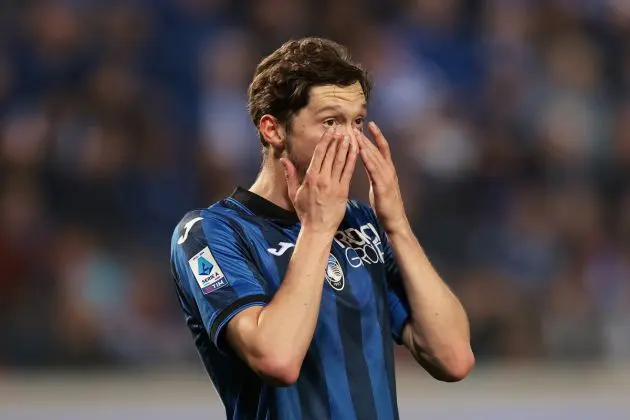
290	174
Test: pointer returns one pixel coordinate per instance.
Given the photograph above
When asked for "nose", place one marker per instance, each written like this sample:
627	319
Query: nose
345	128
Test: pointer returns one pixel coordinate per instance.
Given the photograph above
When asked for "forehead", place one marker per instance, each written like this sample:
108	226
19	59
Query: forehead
347	97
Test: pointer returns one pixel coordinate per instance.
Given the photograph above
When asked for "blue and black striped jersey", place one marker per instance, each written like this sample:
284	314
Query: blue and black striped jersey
234	255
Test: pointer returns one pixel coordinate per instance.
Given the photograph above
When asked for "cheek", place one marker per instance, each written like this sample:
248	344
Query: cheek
304	142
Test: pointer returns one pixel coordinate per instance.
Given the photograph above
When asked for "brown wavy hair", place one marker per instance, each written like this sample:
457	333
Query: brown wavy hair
283	80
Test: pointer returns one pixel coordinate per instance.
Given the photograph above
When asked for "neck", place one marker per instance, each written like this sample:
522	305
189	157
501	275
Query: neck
271	184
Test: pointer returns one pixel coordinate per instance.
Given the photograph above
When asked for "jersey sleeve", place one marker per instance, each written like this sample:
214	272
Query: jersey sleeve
215	267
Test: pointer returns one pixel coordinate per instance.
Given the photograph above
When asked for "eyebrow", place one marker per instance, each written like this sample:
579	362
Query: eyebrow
338	108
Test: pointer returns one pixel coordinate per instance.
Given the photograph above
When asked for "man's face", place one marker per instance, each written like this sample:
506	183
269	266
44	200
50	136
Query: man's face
342	107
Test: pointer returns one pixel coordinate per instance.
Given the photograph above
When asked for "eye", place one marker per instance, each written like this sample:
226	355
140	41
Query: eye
359	121
330	122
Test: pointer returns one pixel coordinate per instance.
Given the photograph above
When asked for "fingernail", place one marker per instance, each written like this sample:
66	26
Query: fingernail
346	139
373	125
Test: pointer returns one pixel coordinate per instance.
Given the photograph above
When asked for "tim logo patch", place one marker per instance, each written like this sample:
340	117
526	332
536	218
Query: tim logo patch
207	272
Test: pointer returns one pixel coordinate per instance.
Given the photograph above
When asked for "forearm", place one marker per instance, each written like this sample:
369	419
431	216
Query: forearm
439	325
286	325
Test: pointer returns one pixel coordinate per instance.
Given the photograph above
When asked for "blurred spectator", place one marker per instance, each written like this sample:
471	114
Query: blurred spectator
509	122
230	149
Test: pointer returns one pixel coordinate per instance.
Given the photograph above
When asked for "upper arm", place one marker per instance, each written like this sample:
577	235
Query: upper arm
240	333
215	268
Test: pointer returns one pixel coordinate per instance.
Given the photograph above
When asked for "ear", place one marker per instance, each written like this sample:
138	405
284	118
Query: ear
272	132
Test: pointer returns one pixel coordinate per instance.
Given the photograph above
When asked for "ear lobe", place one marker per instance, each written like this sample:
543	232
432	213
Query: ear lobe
272	131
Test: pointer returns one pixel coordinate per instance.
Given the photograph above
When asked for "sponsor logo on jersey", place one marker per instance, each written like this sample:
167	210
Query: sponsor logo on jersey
207	272
188	226
282	248
361	246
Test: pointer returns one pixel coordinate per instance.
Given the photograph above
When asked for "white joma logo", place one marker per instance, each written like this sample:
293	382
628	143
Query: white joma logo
188	226
283	247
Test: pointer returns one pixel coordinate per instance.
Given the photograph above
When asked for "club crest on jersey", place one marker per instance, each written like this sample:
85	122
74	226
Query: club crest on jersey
334	273
207	272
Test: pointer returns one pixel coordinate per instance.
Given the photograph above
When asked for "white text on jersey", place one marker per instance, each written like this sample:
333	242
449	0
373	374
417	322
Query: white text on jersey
361	246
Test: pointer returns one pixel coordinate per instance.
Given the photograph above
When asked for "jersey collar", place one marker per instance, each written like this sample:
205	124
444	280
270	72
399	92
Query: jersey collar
263	207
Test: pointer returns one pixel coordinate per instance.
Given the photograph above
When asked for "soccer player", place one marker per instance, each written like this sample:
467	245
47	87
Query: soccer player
294	294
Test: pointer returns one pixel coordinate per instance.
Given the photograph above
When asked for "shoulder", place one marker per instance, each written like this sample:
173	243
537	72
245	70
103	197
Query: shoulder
215	221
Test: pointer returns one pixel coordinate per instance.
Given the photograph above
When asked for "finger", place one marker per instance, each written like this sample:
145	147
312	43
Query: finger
320	150
373	164
380	140
351	161
375	155
359	136
331	154
290	173
368	144
370	156
370	163
340	158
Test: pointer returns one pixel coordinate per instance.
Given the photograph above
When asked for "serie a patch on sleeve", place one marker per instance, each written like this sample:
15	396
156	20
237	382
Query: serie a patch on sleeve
207	272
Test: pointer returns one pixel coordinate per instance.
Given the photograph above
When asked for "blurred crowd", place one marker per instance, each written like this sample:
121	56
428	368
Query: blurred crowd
509	121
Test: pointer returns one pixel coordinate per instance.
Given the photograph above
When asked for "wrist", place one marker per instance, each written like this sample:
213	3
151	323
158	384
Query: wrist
316	234
401	229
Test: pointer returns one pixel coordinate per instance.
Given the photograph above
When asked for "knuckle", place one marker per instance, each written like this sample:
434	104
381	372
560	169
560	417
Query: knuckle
310	177
322	182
